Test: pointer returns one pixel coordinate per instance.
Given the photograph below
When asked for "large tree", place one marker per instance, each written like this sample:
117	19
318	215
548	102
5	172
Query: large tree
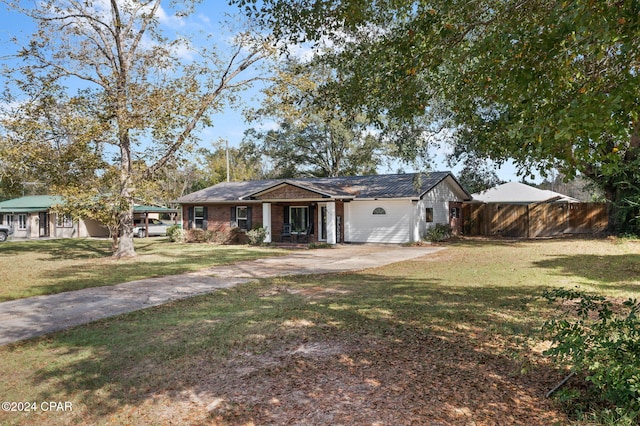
243	162
315	134
54	142
146	95
546	83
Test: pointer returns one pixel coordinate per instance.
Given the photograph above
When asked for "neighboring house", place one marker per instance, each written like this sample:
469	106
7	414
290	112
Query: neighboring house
520	193
32	217
518	210
382	208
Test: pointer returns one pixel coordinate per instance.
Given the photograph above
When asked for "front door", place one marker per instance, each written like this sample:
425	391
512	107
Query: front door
455	217
43	219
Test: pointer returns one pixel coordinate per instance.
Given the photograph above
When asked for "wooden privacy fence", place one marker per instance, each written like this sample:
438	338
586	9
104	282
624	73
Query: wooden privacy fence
534	220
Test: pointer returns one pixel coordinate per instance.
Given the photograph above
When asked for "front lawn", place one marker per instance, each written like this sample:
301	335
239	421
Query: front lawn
447	339
32	268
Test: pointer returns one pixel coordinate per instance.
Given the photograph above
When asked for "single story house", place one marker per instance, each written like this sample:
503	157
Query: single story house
396	208
32	217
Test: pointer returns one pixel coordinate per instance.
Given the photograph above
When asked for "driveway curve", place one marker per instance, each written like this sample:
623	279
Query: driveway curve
26	318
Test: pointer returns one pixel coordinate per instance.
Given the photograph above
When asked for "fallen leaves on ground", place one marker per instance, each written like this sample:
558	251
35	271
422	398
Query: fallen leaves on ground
424	380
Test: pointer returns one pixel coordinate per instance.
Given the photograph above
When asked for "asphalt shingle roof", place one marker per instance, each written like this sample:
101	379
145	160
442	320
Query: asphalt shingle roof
374	186
516	192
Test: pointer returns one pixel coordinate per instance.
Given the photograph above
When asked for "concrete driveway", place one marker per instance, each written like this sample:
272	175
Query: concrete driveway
34	316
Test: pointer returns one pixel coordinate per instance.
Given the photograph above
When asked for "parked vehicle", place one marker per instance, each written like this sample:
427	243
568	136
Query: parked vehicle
5	231
156	228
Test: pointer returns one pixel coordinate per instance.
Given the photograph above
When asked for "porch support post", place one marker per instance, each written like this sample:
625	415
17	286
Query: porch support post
266	221
331	222
414	231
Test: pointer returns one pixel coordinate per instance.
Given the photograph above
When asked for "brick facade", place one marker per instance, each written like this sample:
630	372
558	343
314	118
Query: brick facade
219	217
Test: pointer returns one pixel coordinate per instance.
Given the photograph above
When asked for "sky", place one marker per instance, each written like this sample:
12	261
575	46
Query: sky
229	124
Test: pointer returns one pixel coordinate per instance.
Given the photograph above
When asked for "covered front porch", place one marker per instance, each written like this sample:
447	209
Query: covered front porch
300	214
303	221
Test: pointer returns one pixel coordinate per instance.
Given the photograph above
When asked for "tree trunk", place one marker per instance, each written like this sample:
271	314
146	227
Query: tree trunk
125	245
114	242
611	196
113	233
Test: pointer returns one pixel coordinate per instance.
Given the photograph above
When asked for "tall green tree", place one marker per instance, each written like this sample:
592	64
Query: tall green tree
55	141
148	97
175	179
316	135
477	176
243	162
545	83
578	187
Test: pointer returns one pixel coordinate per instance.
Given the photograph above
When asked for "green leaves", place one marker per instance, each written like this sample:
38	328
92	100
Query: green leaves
317	134
135	91
599	342
543	83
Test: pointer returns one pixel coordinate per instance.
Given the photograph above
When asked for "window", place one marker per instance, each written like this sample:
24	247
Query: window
64	221
379	210
299	218
22	221
428	217
455	212
242	217
8	219
198	217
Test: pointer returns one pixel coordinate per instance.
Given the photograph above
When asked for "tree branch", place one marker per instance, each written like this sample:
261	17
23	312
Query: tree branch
205	103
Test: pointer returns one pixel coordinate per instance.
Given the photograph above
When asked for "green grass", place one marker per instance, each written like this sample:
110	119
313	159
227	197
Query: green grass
32	268
469	316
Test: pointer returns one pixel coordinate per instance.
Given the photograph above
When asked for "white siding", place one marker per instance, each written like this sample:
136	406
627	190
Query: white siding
362	226
438	199
404	221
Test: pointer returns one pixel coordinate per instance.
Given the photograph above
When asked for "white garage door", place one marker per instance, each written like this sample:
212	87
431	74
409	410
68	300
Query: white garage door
378	222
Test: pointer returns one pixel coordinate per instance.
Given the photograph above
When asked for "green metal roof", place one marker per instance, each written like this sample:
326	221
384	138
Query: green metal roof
29	204
39	203
153	209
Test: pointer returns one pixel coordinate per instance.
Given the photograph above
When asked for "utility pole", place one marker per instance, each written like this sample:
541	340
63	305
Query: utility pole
228	171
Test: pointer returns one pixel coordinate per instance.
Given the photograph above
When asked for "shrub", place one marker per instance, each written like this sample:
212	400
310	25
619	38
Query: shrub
439	232
216	237
257	236
197	236
176	234
601	345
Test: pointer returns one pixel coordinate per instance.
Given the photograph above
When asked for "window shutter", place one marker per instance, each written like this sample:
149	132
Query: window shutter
233	223
190	216
312	215
249	218
205	222
286	214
